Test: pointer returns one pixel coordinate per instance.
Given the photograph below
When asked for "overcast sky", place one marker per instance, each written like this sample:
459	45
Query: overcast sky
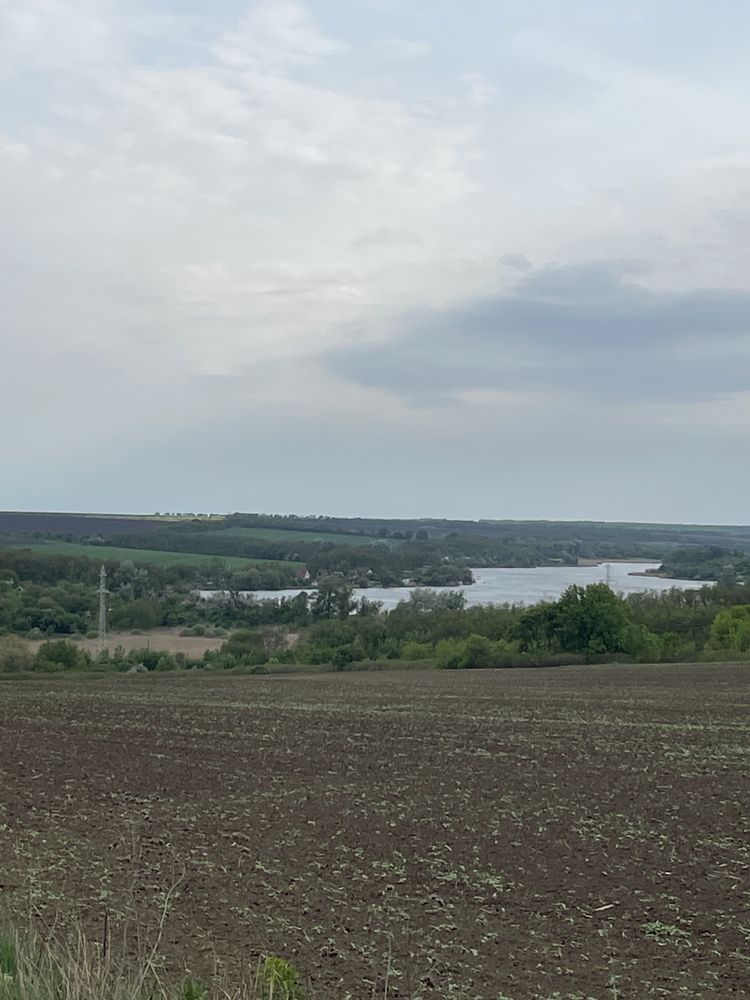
486	258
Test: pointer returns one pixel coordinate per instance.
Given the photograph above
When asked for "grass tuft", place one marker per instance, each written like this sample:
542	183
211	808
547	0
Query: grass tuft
32	968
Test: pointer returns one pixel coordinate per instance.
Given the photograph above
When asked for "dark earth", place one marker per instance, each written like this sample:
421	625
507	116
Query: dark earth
481	835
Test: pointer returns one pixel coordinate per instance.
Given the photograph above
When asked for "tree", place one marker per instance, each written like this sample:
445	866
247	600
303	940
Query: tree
535	630
642	644
333	599
141	613
366	608
731	628
591	619
424	601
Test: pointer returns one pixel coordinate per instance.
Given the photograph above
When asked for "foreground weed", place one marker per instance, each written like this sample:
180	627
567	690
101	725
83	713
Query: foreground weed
193	990
34	969
8	957
280	980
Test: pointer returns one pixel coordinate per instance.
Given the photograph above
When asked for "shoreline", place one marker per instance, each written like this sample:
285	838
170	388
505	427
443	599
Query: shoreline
603	562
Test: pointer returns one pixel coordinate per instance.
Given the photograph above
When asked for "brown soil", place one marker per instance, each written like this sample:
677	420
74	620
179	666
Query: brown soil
569	833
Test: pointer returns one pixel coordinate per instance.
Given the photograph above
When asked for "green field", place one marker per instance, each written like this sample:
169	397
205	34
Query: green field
155	556
288	534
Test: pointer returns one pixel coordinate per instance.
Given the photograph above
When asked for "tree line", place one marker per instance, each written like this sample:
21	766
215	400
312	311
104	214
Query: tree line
390	556
587	624
331	628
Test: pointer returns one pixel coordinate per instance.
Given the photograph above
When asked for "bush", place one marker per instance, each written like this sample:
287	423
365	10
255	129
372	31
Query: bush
674	648
448	653
194	630
15	655
413	650
731	628
475	651
642	645
61	655
223	659
344	656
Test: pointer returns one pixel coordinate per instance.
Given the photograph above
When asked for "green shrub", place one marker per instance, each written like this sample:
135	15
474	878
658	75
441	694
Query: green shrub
448	653
675	648
475	651
344	656
642	645
731	629
413	650
61	655
15	655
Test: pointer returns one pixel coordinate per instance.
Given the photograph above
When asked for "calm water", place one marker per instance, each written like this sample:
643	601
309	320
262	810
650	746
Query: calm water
518	586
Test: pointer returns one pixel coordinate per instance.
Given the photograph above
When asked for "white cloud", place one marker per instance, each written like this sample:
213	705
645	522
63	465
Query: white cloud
402	48
13	150
480	91
276	34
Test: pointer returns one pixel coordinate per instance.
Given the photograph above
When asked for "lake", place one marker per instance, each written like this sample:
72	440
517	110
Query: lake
517	586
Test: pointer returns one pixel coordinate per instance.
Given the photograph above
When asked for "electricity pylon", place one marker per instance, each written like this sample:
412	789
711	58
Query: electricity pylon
102	609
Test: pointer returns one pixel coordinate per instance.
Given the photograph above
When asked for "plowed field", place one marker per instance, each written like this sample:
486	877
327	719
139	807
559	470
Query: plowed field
569	833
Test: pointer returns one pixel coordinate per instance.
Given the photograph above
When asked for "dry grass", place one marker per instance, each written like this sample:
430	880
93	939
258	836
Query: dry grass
74	967
169	639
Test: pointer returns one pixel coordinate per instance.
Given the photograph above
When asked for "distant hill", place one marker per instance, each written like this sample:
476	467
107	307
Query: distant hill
366	550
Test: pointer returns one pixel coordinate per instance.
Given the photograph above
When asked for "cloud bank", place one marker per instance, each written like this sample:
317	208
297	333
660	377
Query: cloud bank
272	256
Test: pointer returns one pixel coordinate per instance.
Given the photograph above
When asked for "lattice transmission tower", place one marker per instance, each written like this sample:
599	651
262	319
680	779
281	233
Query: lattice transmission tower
102	609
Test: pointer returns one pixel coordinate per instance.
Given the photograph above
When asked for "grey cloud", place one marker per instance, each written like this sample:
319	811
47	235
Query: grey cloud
570	329
518	261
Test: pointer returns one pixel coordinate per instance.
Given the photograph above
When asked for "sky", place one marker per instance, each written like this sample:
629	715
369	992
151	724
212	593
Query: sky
468	259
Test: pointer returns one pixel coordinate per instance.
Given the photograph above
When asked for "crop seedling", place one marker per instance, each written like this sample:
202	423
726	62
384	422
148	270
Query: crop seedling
665	933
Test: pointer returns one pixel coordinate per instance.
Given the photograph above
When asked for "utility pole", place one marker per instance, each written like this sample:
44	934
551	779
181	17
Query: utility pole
102	610
608	576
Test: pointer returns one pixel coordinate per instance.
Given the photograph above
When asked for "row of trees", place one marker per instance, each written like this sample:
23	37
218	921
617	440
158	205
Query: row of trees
391	554
51	595
586	625
709	562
